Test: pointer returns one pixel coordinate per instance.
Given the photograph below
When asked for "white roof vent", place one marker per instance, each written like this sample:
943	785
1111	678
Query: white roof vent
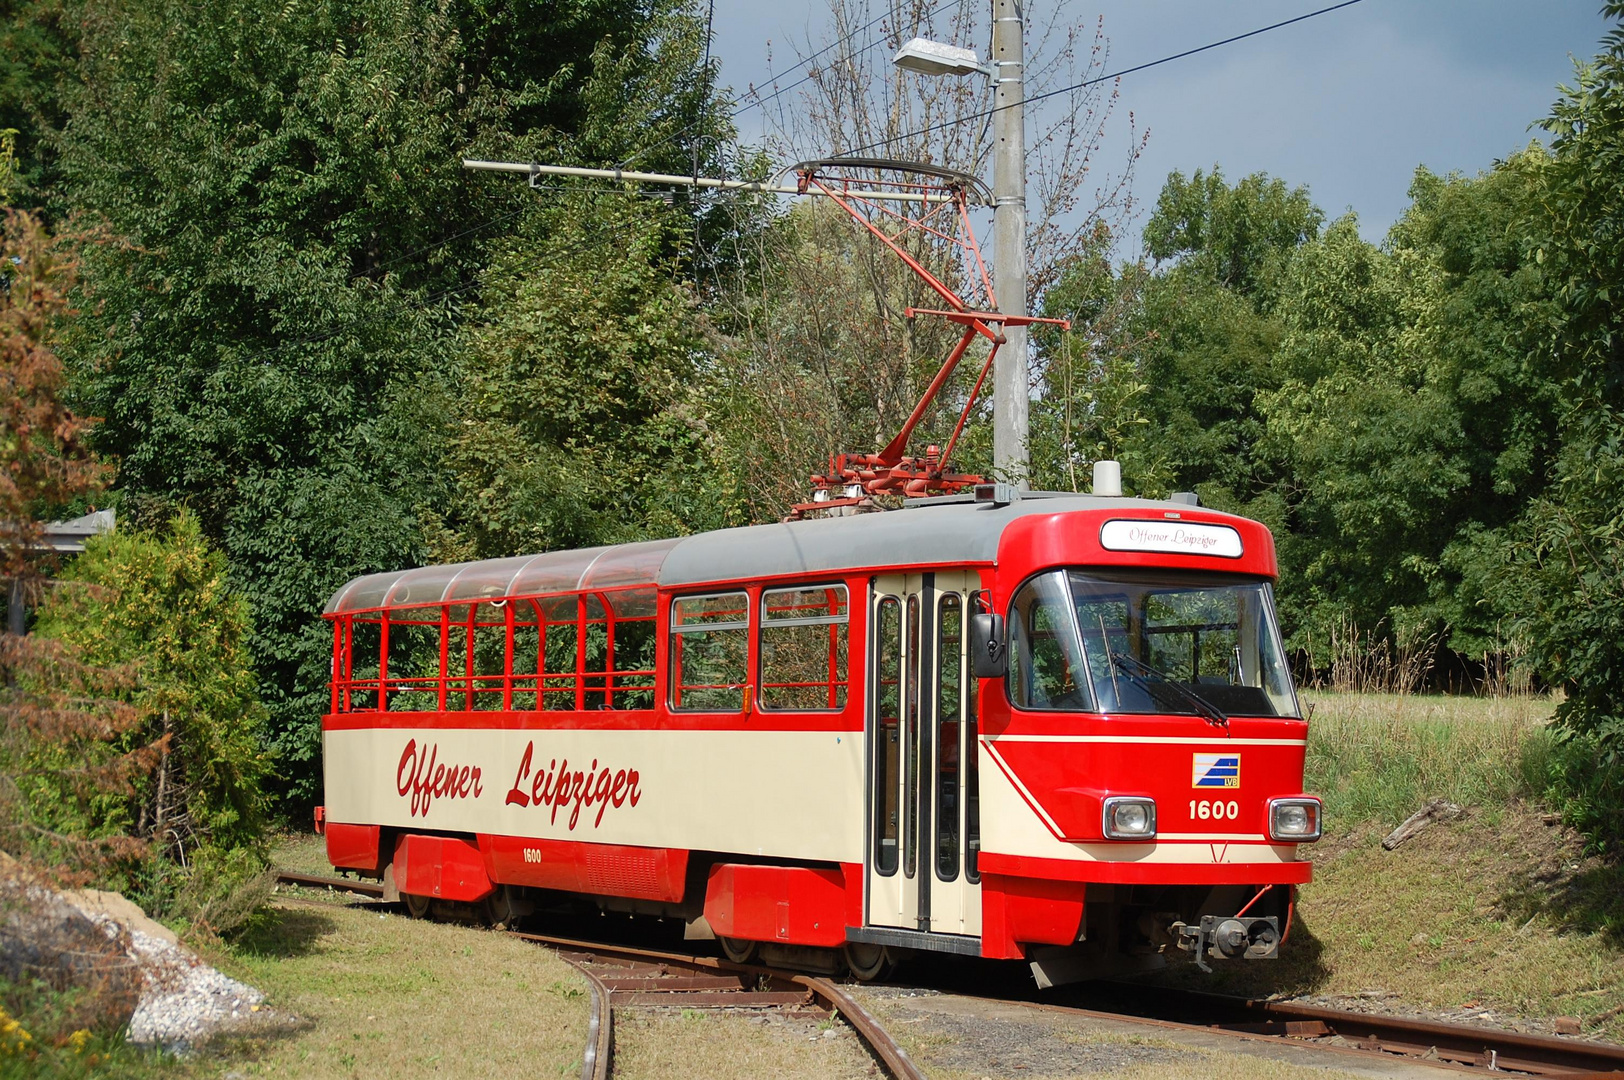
1108	479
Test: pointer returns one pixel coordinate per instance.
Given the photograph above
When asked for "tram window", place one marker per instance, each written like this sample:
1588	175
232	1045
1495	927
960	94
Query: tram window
594	656
458	688
949	638
526	654
710	648
488	663
888	714
803	648
1047	669
559	653
972	776
560	648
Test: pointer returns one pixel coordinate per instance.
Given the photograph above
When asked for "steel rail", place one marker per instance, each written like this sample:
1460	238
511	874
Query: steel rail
338	884
1462	1046
596	1063
600	1028
1539	1055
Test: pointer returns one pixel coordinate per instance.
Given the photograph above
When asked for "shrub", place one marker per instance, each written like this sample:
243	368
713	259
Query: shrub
159	605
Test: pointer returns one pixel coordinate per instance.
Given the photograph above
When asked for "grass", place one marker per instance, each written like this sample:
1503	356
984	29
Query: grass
1379	757
302	853
659	1045
1499	910
385	996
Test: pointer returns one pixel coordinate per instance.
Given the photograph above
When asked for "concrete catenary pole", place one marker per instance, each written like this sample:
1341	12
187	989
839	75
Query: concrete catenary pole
1010	389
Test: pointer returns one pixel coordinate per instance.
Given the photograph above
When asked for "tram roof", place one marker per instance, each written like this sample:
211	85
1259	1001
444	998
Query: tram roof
929	532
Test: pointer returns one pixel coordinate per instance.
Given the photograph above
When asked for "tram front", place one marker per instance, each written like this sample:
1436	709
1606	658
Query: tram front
1143	744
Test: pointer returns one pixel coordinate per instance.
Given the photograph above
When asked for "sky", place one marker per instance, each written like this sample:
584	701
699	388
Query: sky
1348	103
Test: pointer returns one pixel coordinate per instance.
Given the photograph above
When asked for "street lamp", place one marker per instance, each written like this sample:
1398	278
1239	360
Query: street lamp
929	57
1010	388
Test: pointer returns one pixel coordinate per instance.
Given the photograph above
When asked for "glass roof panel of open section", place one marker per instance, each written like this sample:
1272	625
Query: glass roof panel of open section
527	575
628	564
476	581
555	572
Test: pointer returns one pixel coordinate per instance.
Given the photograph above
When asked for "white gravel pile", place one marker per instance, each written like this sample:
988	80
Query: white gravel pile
184	1002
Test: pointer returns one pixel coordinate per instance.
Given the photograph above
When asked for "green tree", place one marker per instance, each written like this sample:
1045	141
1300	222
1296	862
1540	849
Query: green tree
67	758
1413	412
1210	329
1572	555
1240	237
273	335
36	53
583	412
1095	395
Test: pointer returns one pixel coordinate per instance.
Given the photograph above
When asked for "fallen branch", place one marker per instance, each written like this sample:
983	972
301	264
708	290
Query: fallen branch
1435	811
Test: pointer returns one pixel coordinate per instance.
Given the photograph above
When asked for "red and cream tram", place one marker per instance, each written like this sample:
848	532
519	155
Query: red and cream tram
1057	728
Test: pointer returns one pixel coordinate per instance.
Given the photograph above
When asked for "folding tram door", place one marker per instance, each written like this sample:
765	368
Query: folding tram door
923	820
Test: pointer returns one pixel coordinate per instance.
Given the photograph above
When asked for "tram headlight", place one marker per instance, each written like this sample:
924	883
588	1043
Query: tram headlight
1294	820
1128	818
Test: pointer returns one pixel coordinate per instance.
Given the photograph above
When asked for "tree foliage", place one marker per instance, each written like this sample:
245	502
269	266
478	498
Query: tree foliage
66	757
273	333
582	404
160	605
1573	549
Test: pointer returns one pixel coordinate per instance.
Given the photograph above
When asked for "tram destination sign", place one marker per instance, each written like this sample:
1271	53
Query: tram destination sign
1177	537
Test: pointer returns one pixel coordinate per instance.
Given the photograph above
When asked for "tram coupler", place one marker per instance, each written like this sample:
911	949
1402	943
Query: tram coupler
1230	937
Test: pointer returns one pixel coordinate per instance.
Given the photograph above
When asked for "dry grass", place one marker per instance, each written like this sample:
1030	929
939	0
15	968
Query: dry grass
384	996
1380	756
664	1044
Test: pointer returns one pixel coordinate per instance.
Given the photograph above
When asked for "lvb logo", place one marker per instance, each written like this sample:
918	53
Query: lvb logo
1216	771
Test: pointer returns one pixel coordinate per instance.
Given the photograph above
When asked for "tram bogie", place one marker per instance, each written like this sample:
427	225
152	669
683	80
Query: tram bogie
1058	730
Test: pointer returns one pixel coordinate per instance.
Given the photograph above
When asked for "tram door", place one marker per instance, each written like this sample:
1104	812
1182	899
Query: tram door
923	821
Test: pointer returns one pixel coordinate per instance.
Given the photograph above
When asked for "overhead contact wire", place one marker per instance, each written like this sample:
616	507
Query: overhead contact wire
1108	77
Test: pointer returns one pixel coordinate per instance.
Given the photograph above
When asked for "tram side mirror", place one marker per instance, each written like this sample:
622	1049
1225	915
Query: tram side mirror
988	651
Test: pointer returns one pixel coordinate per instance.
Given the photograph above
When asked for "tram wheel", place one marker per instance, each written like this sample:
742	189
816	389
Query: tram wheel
417	906
868	962
737	949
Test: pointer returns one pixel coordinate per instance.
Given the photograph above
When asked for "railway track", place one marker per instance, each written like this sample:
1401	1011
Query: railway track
625	976
1462	1046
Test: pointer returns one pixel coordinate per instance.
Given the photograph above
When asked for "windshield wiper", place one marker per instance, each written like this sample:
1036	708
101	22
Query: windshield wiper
1143	673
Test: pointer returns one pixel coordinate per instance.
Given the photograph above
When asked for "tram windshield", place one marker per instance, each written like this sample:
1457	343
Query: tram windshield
1148	643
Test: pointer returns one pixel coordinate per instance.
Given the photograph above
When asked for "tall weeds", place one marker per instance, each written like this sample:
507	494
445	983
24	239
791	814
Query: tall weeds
1380	756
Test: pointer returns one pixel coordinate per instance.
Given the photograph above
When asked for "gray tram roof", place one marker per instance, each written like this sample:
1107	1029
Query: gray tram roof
926	531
